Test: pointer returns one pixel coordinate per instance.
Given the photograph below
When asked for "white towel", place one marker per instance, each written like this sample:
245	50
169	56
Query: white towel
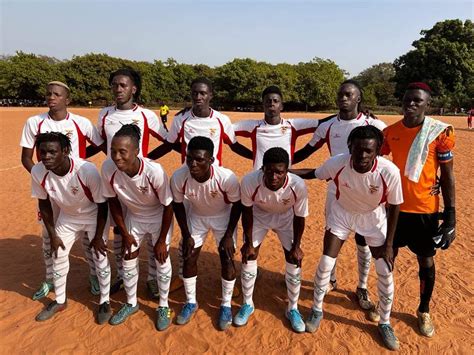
420	147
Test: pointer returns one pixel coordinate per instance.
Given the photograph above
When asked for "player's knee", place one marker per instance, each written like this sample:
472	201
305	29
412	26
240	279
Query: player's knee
131	256
425	261
360	240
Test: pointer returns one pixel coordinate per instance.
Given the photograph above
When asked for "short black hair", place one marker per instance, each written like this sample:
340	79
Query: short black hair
272	89
359	87
201	143
130	130
61	138
133	75
203	80
366	132
276	155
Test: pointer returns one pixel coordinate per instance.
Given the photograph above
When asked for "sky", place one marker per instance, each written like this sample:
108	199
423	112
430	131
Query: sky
354	34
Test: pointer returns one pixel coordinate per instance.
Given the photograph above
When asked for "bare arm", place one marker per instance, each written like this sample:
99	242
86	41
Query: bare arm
48	220
447	184
304	173
27	158
241	150
160	151
160	248
92	149
303	153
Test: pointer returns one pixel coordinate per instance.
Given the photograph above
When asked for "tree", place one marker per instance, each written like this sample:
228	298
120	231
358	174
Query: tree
444	58
378	85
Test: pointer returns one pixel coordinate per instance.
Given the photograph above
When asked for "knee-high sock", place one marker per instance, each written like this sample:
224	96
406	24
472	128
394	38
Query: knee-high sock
151	259
321	280
190	288
118	254
60	270
293	285
163	272
102	267
227	289
333	273
88	253
385	287
180	258
248	278
427	282
363	259
130	279
48	261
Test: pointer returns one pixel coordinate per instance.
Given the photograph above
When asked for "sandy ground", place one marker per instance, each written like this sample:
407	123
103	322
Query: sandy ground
344	329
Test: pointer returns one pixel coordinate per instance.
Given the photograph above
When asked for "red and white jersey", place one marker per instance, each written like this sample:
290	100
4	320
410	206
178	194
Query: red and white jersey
334	132
217	127
211	198
362	193
79	130
144	195
265	136
291	198
76	193
112	119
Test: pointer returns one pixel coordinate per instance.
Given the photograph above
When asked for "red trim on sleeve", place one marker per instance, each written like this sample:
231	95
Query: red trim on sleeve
142	165
102	133
294	135
253	137
153	188
86	189
38	132
184	187
255	193
221	139
384	191
294	193
81	139
111	182
183	141
285	184
43	182
224	194
72	165
145	135
375	165
336	181
327	137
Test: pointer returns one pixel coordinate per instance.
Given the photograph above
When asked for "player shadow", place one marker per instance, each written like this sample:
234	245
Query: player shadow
408	319
465	129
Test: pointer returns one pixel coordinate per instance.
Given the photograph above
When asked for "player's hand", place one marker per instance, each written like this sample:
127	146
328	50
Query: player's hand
296	256
55	244
248	252
161	251
99	246
436	188
226	246
188	247
447	230
127	242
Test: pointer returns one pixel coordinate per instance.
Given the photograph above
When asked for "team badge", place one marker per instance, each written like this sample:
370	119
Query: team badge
286	200
337	135
373	189
68	133
283	129
212	131
74	189
143	189
214	194
135	122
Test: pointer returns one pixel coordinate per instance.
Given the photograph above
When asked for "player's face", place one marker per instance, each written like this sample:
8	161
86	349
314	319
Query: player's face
201	95
123	152
274	175
415	102
123	89
272	105
199	163
348	97
57	97
52	155
363	152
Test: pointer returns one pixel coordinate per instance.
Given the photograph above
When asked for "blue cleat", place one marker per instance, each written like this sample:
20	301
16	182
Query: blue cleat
124	312
388	336
225	317
189	309
45	288
163	318
296	320
242	316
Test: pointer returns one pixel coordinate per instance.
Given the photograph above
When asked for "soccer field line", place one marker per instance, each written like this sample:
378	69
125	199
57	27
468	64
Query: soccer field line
11	168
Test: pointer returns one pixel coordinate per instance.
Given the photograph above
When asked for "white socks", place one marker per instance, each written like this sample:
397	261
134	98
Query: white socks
163	280
293	285
190	289
151	258
118	254
363	259
130	280
248	278
102	268
227	290
386	288
321	281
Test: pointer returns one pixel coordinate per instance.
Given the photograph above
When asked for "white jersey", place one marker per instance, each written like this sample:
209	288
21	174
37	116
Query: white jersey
216	126
112	119
211	198
362	193
334	132
291	198
144	195
76	193
77	128
265	136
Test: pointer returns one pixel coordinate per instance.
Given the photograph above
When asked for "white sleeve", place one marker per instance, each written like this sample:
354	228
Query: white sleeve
330	168
92	133
301	206
156	126
162	186
244	128
100	123
229	134
304	125
232	188
247	189
173	133
177	187
394	187
28	136
319	136
107	189
37	191
94	182
378	123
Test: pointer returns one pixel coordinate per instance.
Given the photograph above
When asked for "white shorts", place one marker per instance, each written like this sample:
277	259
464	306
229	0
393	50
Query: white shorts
70	232
372	225
200	226
330	198
281	224
141	230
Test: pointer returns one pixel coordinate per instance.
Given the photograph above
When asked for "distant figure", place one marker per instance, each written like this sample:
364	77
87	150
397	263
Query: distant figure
90	104
164	110
469	118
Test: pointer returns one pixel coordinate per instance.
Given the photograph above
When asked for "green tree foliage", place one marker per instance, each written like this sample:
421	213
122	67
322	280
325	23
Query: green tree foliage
378	85
444	58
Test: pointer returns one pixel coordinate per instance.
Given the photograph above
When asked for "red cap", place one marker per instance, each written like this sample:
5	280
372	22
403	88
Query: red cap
419	85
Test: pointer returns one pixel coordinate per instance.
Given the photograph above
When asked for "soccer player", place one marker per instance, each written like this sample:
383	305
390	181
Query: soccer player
334	134
469	118
420	146
80	131
74	185
142	186
126	87
368	198
212	195
273	130
275	199
164	110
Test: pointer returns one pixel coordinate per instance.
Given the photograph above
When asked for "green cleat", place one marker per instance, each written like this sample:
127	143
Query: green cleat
45	288
388	336
50	310
152	288
124	312
313	321
163	318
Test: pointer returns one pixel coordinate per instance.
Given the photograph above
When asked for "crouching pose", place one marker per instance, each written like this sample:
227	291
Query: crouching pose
74	185
206	198
142	187
368	198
